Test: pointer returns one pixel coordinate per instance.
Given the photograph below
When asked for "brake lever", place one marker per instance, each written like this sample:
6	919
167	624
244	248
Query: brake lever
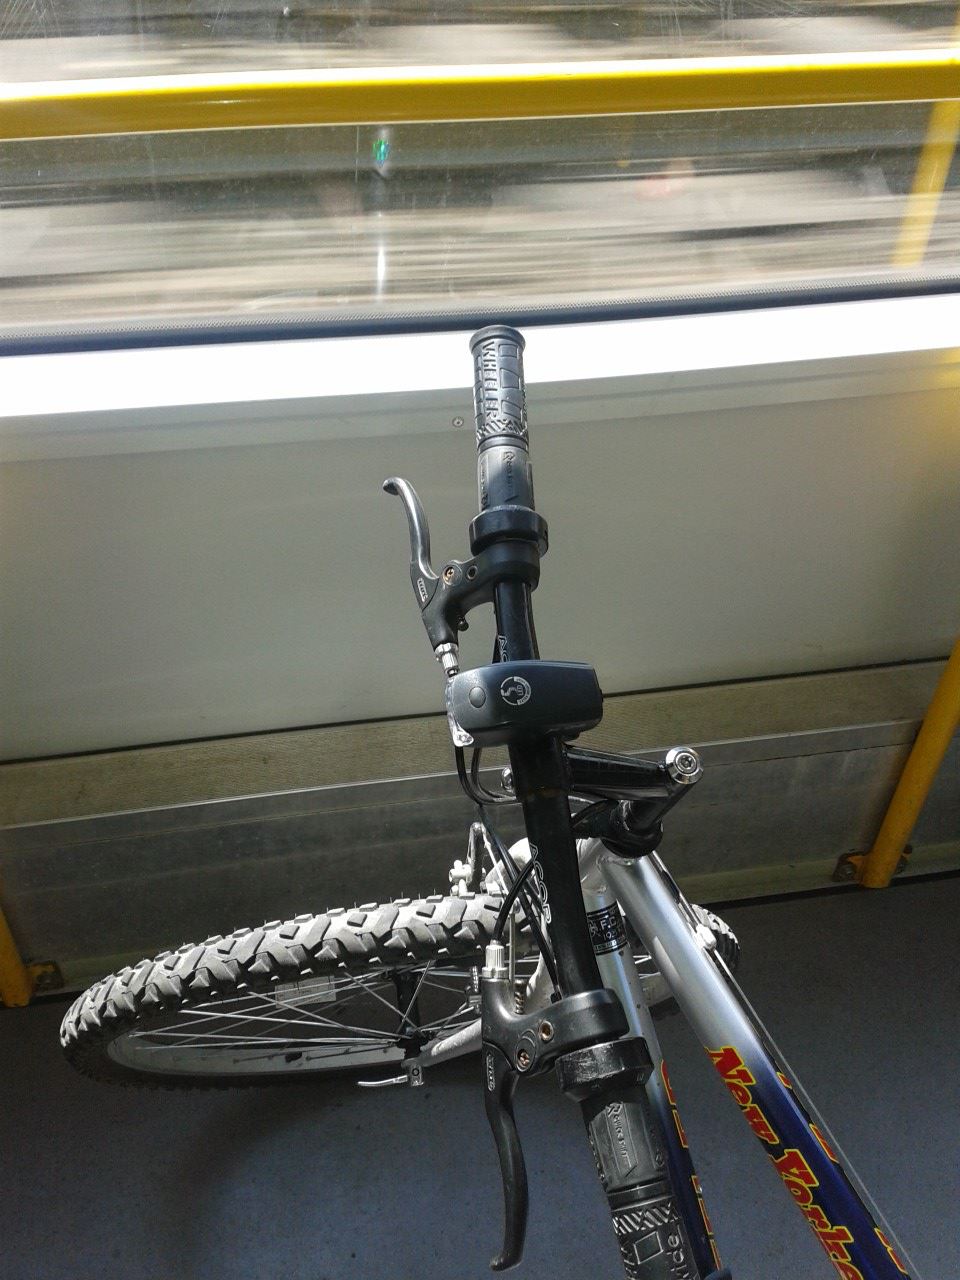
519	1044
500	1082
425	580
444	601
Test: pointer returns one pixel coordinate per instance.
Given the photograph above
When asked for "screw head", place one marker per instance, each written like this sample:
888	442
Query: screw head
546	1031
523	1059
449	574
684	765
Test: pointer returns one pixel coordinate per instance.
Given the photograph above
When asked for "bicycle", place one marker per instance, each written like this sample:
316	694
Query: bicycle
556	953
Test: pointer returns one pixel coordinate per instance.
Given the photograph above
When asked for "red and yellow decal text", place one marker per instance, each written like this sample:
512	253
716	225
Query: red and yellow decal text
799	1179
889	1248
739	1080
793	1167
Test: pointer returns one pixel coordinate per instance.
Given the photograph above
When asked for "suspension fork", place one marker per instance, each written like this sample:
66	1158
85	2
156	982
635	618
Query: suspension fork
820	1179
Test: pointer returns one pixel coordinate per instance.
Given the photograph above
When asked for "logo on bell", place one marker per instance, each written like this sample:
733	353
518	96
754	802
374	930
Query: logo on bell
515	691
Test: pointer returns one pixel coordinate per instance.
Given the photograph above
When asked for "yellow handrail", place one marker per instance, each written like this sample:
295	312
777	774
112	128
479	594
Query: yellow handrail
16	980
929	180
928	184
939	725
261	99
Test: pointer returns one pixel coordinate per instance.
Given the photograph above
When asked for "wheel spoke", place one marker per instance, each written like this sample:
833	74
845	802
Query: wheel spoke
320	1020
456	988
376	995
413	998
318	1023
441	1023
215	1014
225	1038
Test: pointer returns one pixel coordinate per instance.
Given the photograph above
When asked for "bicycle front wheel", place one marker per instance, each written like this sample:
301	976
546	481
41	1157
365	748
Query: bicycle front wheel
346	991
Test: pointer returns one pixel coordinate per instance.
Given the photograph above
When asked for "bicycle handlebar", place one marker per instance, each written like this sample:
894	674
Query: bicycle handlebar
507	539
508	515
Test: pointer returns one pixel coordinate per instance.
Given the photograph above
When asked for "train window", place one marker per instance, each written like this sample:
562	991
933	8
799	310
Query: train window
343	226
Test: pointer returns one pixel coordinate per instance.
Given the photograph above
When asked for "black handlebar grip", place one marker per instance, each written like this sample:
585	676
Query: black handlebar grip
498	392
504	474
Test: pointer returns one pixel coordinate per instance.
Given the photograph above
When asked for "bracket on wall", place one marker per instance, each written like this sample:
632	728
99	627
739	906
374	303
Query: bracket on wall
20	981
849	865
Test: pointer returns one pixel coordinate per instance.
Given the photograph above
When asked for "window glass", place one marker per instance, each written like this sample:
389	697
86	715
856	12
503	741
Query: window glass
345	226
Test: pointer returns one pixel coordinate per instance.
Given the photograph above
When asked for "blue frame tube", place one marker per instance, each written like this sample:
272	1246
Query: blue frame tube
811	1168
683	1173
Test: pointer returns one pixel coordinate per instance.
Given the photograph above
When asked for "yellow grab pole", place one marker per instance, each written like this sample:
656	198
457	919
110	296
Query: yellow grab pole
929	180
928	183
382	95
939	725
16	980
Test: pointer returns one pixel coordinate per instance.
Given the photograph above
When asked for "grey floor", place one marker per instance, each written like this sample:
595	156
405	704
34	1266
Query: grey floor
320	1183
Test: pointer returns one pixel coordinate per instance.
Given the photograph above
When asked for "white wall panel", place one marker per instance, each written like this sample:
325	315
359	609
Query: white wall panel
713	516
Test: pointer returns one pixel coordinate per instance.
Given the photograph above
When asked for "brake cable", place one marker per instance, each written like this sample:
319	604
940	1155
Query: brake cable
519	891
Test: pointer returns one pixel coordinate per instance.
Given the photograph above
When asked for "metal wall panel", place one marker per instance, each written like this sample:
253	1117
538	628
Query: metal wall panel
772	814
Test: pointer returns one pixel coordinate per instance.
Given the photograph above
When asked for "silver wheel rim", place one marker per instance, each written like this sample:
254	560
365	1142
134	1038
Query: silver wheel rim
340	1021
